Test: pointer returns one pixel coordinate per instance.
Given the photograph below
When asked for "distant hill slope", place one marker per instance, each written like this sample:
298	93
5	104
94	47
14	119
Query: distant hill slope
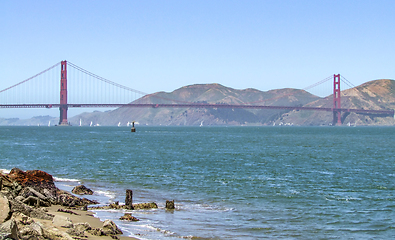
377	95
208	93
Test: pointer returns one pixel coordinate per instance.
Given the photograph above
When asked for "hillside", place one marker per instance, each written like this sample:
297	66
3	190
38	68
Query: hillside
377	95
207	93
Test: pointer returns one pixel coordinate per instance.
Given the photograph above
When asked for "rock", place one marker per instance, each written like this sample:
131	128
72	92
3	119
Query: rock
31	231
129	199
170	204
25	220
31	178
145	205
109	228
69	200
96	231
20	198
61	221
20	207
5	209
36	202
79	229
36	179
82	190
82	226
55	234
28	191
129	217
41	214
9	229
115	205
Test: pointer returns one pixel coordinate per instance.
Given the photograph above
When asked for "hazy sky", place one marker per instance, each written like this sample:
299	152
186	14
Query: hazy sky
163	45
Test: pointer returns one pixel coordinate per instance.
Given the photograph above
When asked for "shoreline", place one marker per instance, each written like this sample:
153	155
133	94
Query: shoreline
33	207
82	217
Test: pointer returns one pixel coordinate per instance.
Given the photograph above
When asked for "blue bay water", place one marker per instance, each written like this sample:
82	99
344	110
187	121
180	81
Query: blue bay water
227	182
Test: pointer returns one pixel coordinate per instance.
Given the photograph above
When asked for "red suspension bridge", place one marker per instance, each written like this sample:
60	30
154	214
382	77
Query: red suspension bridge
27	94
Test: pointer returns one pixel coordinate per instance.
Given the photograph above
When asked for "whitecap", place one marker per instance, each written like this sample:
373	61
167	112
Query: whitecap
5	171
58	179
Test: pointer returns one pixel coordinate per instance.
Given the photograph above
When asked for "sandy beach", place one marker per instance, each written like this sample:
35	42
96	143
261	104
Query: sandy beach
82	217
26	213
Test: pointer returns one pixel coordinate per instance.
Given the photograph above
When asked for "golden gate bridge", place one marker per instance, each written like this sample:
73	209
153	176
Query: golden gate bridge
113	95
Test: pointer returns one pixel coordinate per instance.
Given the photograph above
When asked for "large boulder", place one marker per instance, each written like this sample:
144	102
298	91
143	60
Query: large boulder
69	200
82	190
36	179
5	209
32	231
61	221
109	228
9	229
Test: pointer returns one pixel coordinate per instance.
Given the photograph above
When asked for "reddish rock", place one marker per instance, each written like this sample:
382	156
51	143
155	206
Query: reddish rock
30	178
36	179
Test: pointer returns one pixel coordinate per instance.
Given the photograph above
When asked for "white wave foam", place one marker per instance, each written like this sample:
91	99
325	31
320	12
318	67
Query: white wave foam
108	194
57	179
5	171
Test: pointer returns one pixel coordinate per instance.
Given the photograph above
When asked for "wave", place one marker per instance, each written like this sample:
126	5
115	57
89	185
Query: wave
5	171
58	179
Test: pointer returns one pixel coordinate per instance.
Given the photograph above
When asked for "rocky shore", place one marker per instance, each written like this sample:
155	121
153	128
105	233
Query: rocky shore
32	207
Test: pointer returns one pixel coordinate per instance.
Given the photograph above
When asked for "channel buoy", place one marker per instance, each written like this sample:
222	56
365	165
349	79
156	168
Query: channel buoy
133	128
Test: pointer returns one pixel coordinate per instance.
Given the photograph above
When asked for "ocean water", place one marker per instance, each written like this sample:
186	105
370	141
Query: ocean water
227	182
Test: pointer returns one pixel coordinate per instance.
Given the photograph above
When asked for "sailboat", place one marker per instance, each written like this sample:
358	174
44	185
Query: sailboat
119	124
49	123
80	122
91	124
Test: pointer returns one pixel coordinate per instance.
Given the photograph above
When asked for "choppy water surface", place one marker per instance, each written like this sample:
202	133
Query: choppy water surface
227	182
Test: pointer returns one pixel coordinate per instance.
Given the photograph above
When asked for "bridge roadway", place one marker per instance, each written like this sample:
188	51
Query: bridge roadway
200	105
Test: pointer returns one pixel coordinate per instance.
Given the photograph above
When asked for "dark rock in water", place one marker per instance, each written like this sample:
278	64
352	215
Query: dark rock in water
145	205
82	190
129	199
116	206
170	204
129	217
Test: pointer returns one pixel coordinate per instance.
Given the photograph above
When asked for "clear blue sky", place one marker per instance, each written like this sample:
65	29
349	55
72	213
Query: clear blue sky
163	45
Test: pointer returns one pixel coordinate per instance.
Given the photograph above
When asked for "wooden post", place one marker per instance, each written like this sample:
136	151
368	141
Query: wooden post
129	199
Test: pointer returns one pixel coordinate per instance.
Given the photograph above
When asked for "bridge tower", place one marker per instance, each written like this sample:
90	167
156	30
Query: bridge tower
63	95
337	120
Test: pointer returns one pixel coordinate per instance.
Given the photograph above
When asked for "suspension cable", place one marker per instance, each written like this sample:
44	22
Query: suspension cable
38	74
